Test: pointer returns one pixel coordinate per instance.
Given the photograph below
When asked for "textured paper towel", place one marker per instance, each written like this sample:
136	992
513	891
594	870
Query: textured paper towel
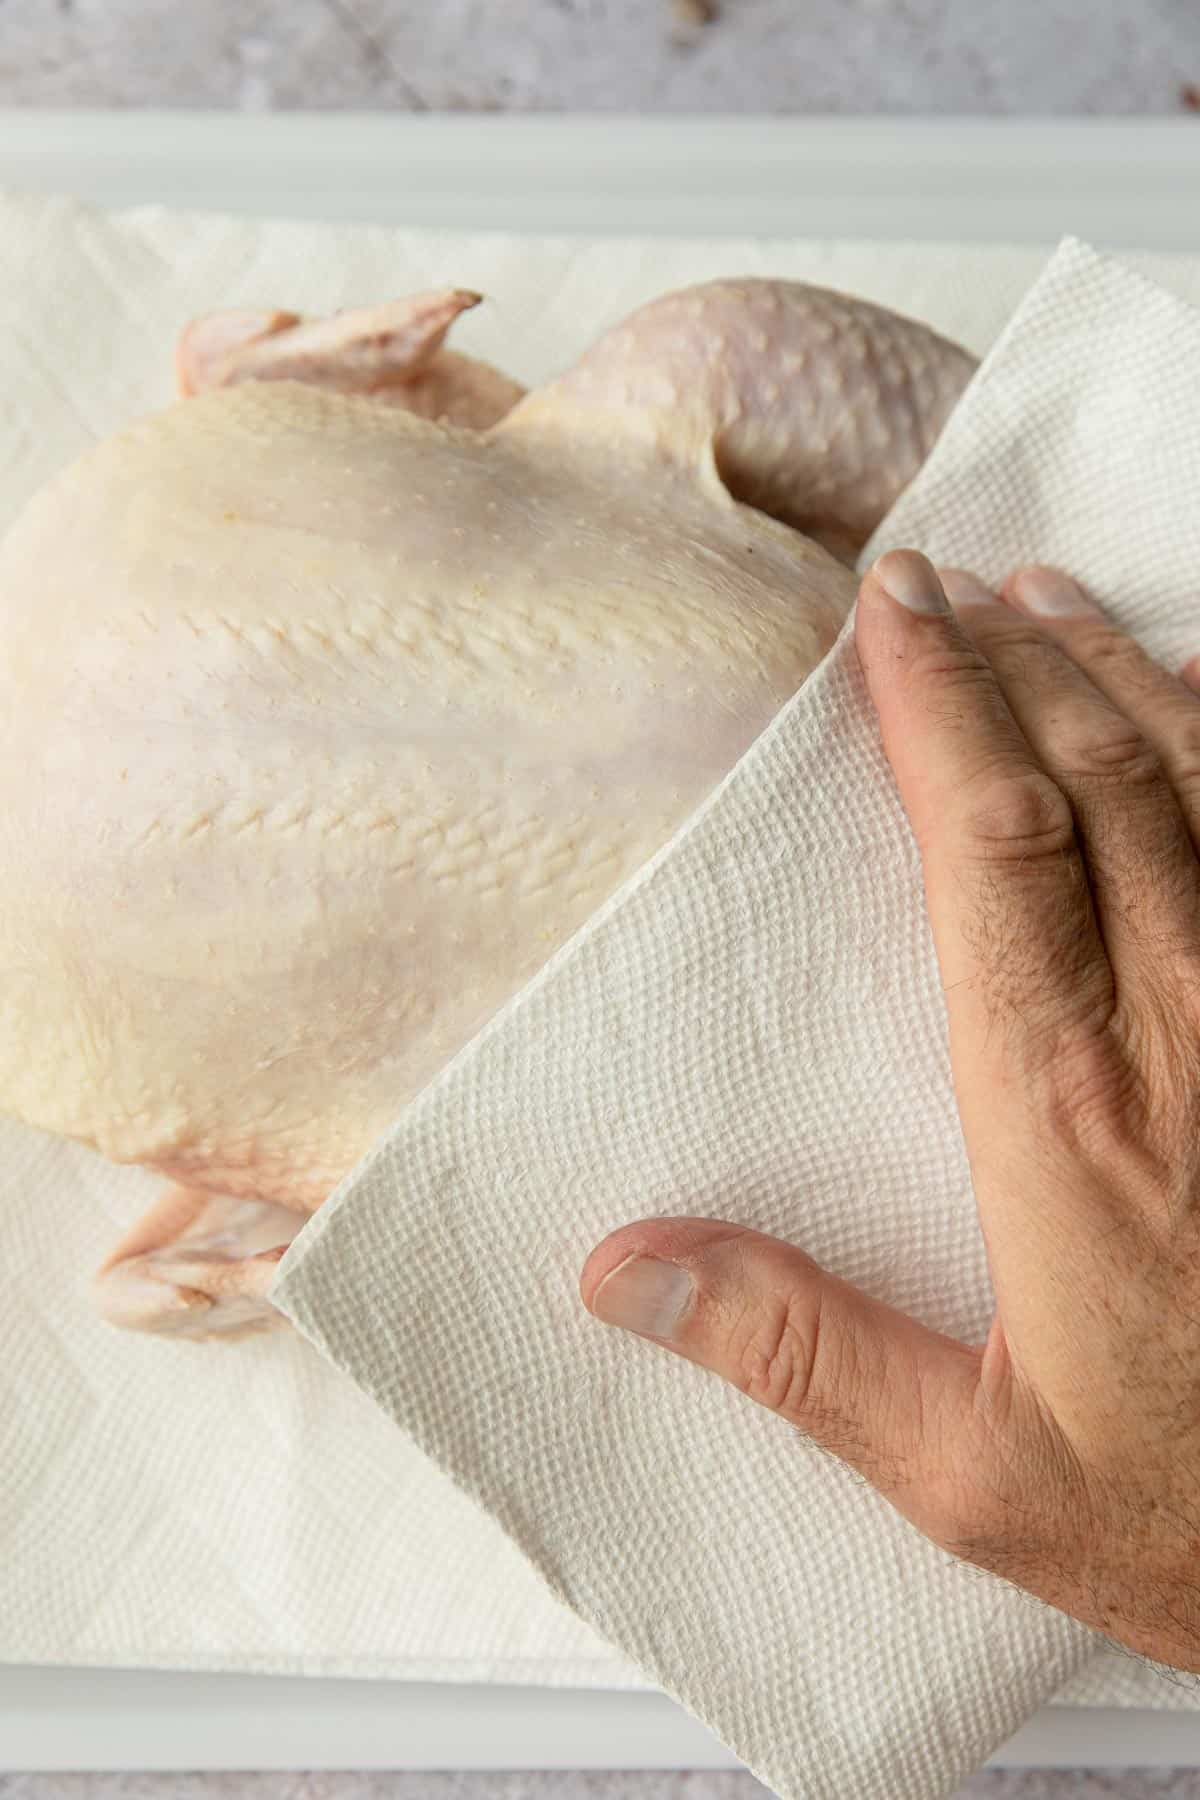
754	1028
242	1506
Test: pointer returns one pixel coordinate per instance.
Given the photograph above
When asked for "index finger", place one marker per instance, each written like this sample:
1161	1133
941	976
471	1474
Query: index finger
1022	961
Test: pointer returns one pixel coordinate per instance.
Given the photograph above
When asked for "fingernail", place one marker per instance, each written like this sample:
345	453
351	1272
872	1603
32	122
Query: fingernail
1190	672
645	1295
1051	594
910	579
964	589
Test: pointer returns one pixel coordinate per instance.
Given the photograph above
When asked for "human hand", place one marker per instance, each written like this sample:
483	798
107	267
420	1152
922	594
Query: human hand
1051	774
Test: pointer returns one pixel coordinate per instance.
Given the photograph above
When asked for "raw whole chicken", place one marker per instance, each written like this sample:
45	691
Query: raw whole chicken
334	698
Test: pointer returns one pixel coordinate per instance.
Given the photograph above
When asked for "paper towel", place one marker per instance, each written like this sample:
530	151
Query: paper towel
754	1028
241	1506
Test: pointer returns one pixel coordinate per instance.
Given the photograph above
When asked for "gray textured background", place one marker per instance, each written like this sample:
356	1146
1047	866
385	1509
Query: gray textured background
931	56
899	56
1064	1784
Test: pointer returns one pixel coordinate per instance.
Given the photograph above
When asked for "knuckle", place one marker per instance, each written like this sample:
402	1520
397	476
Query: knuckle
1105	1117
1184	763
947	664
813	1374
776	1360
1025	656
1113	751
1120	1104
1091	1099
1096	646
1119	666
805	1358
1020	816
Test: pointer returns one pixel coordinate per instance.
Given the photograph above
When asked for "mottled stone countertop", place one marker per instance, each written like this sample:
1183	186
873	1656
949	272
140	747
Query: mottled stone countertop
997	1784
905	56
900	56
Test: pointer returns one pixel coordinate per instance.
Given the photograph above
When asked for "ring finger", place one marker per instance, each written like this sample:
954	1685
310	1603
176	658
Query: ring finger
1164	707
1140	856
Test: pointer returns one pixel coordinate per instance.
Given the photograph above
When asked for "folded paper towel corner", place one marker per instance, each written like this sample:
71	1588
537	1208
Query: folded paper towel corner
254	1511
753	1028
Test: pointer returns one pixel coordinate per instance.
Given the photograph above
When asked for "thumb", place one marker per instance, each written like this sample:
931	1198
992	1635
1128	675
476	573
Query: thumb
885	1393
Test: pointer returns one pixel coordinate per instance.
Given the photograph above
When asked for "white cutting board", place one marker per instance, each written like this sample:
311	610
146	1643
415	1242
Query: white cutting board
1123	184
1120	183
